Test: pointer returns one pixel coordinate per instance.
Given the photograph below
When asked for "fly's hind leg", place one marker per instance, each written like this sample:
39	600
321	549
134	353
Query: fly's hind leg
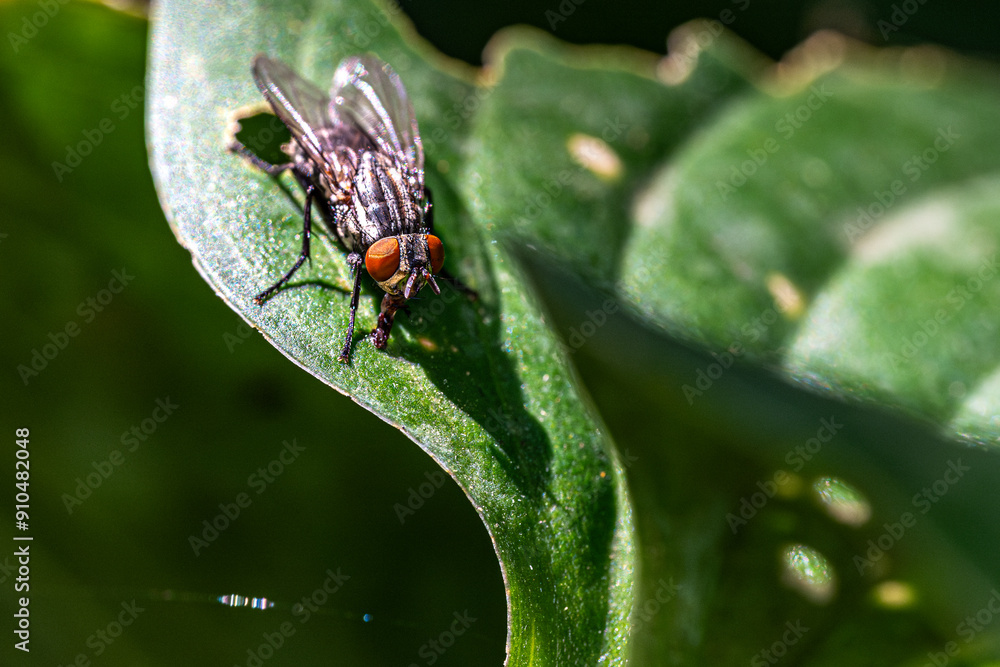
275	170
303	256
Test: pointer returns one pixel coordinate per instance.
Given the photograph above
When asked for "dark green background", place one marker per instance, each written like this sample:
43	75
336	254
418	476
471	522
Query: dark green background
772	26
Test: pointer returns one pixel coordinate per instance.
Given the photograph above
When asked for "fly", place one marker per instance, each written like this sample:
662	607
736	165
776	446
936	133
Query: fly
357	151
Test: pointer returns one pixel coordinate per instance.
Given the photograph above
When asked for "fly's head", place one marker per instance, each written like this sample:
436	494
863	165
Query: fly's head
402	264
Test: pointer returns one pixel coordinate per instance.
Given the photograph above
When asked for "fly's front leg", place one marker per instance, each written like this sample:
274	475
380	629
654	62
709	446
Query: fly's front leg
470	293
355	262
390	304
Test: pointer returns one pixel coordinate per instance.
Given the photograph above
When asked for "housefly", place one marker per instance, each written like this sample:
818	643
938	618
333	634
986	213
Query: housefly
357	152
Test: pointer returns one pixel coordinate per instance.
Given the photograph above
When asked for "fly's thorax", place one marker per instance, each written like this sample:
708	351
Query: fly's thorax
383	202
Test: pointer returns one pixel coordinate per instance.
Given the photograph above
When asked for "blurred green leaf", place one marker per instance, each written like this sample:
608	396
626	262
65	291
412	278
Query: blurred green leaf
727	229
869	231
842	225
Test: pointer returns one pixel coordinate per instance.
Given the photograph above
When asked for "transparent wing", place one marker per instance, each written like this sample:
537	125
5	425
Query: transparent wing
300	105
368	93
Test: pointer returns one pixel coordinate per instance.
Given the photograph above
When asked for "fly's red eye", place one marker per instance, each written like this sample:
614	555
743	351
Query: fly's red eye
436	249
382	259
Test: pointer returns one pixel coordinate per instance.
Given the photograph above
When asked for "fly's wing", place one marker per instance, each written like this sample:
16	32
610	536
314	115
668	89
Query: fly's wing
369	94
304	108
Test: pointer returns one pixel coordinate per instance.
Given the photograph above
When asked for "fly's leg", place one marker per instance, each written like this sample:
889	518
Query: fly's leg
276	170
263	165
470	293
303	256
390	304
355	261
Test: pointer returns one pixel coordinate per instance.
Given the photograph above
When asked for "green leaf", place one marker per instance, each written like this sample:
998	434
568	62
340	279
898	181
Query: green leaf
482	387
802	212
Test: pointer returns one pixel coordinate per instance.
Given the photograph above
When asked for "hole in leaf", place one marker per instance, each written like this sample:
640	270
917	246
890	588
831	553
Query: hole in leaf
263	133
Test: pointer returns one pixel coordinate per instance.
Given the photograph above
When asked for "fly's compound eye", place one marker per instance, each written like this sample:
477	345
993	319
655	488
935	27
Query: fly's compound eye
382	259
436	250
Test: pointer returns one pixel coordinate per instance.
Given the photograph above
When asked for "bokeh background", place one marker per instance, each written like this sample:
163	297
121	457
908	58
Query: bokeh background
112	517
